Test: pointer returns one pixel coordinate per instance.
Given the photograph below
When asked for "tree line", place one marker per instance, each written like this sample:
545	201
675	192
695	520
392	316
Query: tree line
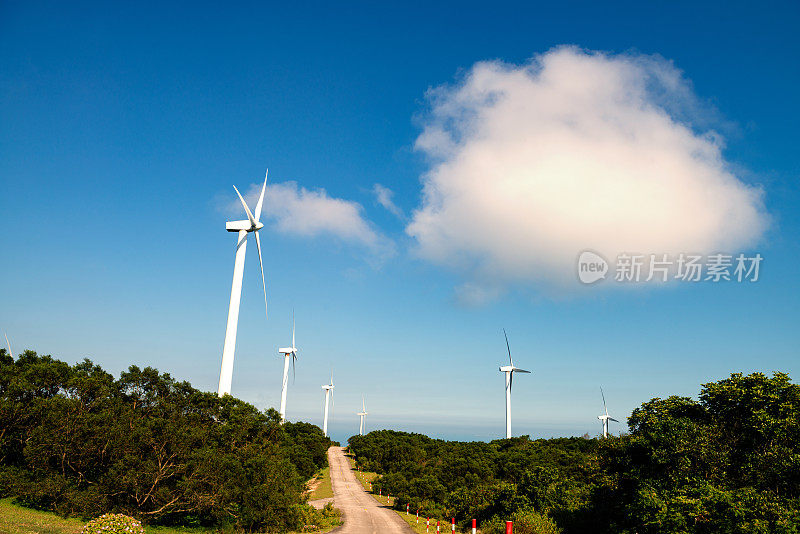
77	441
727	462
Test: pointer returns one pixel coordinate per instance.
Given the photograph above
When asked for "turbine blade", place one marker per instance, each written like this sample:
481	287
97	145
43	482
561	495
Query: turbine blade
292	327
612	419
518	370
604	399
10	352
261	198
246	209
510	379
294	358
509	348
261	264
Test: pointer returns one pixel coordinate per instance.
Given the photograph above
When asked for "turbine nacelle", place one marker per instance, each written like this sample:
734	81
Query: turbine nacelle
288	350
327	387
512	369
607	418
238	226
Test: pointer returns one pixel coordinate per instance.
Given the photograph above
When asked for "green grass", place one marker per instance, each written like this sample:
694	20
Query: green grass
18	520
324	489
411	519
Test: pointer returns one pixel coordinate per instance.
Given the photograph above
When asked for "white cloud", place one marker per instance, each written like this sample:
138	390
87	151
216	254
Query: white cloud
294	210
383	195
531	164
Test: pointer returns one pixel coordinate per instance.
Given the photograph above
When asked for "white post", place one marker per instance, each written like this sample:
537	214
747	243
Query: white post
325	419
508	404
228	349
285	384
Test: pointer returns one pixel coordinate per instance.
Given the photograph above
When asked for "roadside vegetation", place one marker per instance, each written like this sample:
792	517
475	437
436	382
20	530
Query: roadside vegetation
321	484
78	442
727	462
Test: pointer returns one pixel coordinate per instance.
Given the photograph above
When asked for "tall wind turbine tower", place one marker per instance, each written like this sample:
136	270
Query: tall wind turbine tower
328	393
509	370
605	418
363	417
9	345
252	224
289	353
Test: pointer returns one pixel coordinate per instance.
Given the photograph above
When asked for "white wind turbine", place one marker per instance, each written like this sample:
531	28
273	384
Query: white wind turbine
289	353
328	394
509	370
252	224
363	417
605	418
9	345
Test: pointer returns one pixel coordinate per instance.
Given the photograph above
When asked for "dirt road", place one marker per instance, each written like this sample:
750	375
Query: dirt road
362	513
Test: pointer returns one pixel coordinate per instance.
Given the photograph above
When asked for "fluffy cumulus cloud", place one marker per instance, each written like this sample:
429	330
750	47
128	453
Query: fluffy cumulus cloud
531	164
295	210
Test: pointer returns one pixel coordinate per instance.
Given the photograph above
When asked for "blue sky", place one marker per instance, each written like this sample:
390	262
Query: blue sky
122	129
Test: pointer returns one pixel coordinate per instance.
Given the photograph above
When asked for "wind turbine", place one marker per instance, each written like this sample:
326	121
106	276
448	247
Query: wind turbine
252	224
328	393
509	370
289	353
363	415
9	345
605	418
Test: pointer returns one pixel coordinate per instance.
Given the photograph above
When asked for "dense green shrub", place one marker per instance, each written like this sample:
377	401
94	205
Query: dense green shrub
727	462
324	519
526	521
77	441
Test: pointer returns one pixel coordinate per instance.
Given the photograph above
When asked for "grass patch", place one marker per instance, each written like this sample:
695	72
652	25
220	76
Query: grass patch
419	528
18	520
323	488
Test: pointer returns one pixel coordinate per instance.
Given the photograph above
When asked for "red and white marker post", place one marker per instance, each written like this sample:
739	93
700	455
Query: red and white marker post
417	515
453	525
437	527
428	525
509	527
474	526
407	506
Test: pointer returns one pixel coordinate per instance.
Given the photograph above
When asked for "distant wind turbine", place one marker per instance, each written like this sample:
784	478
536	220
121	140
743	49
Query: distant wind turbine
605	418
289	353
509	370
363	415
9	345
252	224
328	396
